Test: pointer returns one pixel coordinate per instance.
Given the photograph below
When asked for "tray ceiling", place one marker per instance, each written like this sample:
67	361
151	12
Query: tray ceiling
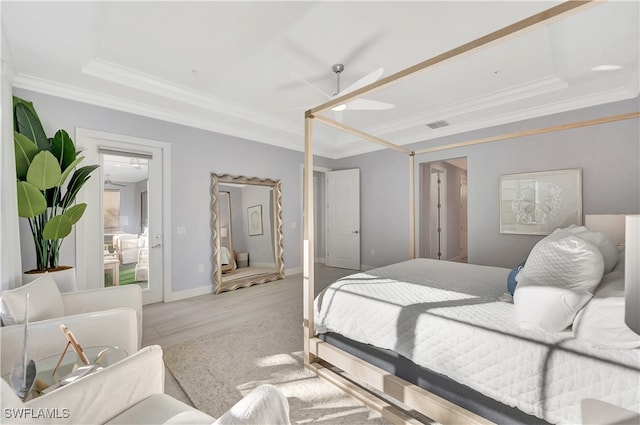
238	67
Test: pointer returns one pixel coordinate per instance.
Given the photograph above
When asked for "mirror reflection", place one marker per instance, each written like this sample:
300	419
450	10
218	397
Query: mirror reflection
246	227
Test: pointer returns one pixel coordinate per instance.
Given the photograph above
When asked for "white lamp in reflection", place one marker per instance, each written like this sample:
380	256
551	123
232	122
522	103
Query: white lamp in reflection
223	232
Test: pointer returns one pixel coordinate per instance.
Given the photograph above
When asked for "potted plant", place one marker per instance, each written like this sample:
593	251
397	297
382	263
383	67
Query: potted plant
43	166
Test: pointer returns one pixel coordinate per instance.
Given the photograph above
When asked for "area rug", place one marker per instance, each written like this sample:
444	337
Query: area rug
217	370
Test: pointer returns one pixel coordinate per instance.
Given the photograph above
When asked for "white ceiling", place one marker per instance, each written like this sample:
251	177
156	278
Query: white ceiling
236	67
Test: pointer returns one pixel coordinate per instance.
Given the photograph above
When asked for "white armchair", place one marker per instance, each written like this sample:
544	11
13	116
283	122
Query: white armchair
127	246
132	392
108	316
115	327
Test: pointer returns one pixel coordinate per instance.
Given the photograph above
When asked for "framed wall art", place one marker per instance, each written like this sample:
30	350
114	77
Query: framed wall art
538	203
254	215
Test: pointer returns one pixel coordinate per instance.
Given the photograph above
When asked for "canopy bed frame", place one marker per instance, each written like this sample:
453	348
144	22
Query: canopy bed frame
322	357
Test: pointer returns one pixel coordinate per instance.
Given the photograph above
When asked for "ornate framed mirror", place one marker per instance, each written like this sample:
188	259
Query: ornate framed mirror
246	231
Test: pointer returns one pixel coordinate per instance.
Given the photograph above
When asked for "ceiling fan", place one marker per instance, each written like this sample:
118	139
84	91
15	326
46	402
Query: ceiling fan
356	104
107	181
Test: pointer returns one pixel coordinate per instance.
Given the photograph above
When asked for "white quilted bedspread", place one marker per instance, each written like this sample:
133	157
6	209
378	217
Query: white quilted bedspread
446	316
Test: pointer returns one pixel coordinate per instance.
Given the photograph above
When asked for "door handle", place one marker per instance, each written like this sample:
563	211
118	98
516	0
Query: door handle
355	231
158	245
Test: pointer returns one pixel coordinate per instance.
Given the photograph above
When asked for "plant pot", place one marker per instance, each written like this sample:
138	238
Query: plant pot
65	277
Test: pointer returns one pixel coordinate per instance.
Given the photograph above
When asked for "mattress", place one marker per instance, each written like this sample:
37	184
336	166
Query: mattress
447	317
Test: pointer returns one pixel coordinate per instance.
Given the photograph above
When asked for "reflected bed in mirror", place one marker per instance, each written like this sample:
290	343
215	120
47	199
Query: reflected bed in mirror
246	231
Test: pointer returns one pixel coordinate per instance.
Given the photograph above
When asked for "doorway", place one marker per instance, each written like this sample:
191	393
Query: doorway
443	210
129	203
125	223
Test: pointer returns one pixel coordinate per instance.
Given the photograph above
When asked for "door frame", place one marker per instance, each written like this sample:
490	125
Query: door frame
89	251
321	225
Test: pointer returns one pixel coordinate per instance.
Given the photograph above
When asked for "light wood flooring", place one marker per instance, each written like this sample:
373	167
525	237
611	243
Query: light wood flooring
167	324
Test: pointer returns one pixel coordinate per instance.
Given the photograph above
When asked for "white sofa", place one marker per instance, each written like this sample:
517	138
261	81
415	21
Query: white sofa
132	392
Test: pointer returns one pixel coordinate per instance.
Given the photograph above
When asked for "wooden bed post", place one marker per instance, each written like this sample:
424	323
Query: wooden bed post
412	207
308	240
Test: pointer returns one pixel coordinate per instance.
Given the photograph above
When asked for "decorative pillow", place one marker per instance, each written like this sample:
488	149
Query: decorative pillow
601	321
605	244
565	270
548	308
512	280
45	301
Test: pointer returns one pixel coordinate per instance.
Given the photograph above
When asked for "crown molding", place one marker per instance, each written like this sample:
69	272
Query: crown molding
77	94
122	75
600	98
293	139
544	85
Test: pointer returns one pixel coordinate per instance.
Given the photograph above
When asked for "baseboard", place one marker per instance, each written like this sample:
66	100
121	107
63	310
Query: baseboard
252	264
189	293
365	267
295	270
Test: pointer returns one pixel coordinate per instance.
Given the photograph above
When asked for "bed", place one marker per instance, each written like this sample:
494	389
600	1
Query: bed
449	318
335	354
227	260
330	350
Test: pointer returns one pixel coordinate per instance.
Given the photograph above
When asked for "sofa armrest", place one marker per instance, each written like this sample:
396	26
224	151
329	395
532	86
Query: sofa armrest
116	327
129	296
100	396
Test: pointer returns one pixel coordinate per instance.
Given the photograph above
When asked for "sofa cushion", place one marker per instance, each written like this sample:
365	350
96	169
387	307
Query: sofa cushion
161	409
45	301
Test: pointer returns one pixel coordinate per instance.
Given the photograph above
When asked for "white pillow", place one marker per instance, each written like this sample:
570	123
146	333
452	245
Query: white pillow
45	301
547	308
605	244
566	269
601	321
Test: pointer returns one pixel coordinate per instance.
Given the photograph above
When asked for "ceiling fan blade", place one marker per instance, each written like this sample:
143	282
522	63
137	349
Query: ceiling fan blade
366	104
110	183
299	77
364	81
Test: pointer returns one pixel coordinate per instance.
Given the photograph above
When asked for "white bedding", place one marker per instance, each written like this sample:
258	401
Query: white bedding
446	316
225	255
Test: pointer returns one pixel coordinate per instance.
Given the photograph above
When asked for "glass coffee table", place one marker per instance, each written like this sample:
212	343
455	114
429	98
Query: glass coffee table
71	368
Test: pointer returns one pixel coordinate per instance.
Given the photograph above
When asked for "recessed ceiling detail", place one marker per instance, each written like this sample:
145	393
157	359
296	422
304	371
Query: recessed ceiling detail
205	71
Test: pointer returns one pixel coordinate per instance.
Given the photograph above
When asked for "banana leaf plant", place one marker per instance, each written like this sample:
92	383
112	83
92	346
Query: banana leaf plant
43	166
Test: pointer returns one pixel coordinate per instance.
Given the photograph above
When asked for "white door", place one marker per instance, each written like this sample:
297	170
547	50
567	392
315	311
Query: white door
133	244
343	219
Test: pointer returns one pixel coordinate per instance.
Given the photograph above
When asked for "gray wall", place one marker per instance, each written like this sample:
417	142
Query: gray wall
260	246
384	201
609	155
195	153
